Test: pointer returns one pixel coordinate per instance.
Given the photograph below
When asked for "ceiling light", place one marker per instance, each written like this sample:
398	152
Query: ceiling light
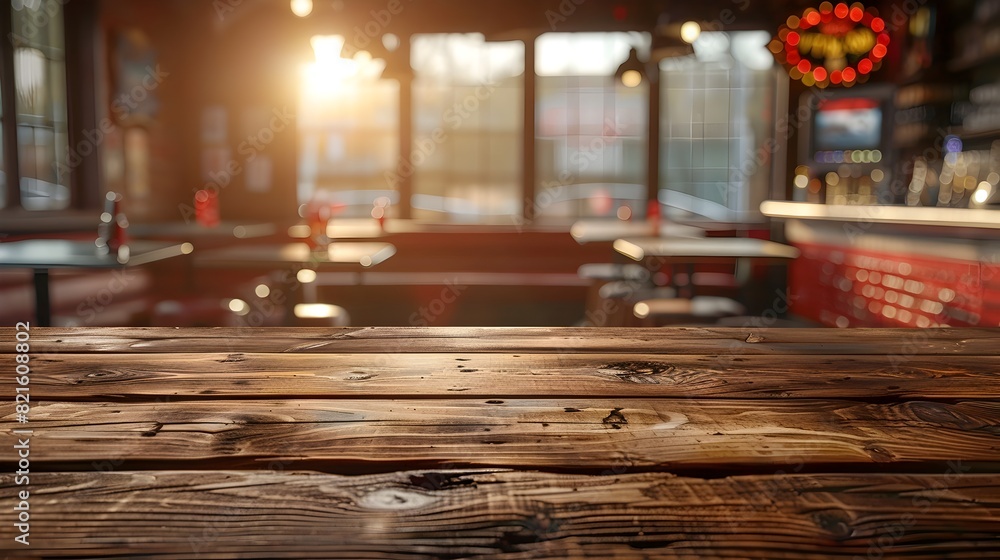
302	8
632	72
690	31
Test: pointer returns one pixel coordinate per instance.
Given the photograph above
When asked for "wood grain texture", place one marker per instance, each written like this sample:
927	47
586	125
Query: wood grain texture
511	515
478	375
549	443
902	343
676	435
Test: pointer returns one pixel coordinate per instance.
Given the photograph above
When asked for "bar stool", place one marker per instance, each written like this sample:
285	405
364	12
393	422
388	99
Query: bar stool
614	288
321	315
613	271
194	312
667	311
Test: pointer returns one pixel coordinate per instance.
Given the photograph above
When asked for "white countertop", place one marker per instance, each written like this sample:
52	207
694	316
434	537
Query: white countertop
910	215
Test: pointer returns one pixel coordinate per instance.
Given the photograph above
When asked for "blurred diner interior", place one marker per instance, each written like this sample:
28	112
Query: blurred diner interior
746	163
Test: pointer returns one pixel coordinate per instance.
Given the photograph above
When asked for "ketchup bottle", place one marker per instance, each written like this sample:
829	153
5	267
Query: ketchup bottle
118	236
653	216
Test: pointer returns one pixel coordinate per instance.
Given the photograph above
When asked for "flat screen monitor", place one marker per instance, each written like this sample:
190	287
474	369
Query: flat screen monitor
850	123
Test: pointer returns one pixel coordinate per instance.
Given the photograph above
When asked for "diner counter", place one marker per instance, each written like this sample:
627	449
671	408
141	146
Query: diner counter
507	443
889	266
906	219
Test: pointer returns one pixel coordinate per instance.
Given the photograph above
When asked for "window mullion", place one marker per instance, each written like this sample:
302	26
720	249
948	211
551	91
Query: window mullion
12	198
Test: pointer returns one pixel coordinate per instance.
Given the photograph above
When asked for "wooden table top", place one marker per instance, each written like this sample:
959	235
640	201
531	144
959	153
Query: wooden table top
194	230
343	228
362	253
65	253
508	443
590	231
706	248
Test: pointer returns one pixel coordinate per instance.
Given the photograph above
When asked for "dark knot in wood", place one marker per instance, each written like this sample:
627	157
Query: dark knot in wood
637	372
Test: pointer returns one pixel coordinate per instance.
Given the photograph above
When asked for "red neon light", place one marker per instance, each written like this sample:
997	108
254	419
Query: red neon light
848	104
834	21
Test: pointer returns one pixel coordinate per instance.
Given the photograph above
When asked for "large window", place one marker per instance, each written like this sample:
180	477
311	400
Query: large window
39	95
591	137
3	153
717	115
464	160
348	129
468	128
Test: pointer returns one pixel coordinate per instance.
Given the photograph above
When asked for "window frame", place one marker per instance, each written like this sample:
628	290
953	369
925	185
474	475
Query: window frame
532	185
80	22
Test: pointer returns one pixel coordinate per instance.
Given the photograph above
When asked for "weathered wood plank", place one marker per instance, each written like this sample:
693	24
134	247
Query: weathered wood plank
680	435
721	341
478	375
510	515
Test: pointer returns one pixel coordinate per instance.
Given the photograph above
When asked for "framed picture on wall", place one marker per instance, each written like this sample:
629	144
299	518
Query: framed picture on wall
135	79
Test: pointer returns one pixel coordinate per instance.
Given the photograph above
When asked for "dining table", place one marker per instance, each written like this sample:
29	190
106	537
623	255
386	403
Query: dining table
363	253
343	228
221	232
703	249
512	443
741	252
310	265
596	230
42	255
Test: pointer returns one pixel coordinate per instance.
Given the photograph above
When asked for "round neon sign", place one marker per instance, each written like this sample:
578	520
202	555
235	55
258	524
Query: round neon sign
837	45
